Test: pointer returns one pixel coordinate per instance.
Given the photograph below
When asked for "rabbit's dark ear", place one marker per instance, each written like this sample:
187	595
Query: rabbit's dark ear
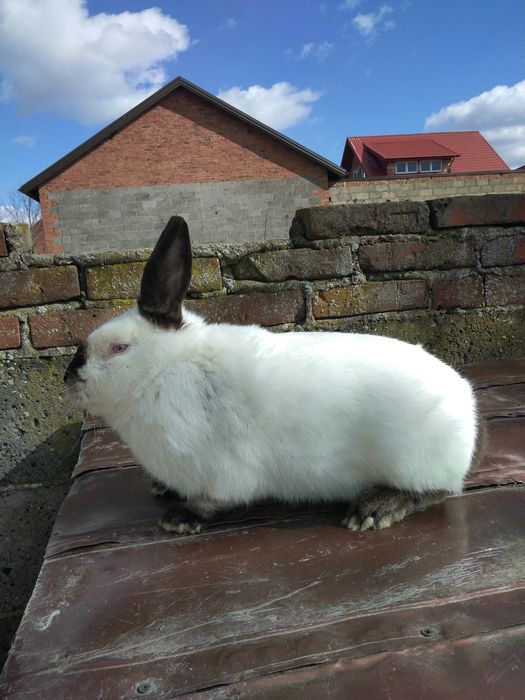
167	276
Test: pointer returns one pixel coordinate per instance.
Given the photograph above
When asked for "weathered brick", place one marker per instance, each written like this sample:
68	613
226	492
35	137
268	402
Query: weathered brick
261	309
339	220
38	286
371	297
68	327
417	255
303	264
484	210
464	292
122	280
3	244
206	275
9	332
505	290
506	250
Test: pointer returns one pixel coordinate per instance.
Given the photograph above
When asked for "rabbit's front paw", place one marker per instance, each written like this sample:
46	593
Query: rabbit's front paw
158	489
379	507
181	520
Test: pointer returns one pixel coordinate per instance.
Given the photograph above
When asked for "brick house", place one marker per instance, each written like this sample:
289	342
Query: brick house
181	151
405	155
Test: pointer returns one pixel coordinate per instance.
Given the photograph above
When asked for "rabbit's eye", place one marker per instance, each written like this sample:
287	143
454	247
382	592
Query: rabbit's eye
118	348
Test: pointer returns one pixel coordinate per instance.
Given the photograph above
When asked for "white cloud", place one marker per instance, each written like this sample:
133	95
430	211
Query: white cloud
319	51
349	4
230	23
371	24
26	141
56	57
498	113
305	51
280	106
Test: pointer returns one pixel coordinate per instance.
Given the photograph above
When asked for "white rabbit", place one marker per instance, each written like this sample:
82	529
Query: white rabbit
226	415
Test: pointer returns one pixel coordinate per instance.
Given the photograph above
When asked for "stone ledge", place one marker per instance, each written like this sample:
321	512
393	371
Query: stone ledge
484	210
337	220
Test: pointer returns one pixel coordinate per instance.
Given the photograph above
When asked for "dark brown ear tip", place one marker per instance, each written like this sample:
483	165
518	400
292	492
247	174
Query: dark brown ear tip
167	275
176	226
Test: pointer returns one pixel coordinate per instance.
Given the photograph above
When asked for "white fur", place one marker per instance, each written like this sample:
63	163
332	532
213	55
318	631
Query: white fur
232	414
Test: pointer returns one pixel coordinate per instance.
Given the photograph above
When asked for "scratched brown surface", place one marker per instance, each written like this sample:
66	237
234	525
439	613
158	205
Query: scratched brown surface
281	602
101	449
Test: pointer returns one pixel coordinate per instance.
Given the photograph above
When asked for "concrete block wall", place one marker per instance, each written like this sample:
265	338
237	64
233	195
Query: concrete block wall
184	156
130	217
418	189
447	273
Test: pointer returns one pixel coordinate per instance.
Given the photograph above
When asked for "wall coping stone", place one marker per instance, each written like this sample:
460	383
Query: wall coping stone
339	220
477	210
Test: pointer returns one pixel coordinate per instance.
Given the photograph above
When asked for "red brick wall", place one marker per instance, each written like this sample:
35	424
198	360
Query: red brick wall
183	139
48	238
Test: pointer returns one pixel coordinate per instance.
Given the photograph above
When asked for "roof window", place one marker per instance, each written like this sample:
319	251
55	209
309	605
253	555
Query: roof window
406	166
423	166
430	166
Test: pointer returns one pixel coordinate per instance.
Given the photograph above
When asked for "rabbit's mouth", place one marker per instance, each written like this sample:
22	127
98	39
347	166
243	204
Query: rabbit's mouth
75	395
75	392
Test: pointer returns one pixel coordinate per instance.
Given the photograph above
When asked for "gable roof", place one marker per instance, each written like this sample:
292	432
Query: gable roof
472	152
31	187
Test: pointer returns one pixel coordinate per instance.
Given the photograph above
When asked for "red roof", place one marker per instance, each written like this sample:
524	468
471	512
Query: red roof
425	148
472	152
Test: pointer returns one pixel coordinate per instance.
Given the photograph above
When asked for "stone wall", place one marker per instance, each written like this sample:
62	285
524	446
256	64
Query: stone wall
418	189
449	274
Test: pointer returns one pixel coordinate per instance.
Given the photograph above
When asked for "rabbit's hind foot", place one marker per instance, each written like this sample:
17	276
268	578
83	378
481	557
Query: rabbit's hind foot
379	507
182	521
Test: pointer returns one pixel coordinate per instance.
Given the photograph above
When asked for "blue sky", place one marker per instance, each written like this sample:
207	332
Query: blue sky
318	71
